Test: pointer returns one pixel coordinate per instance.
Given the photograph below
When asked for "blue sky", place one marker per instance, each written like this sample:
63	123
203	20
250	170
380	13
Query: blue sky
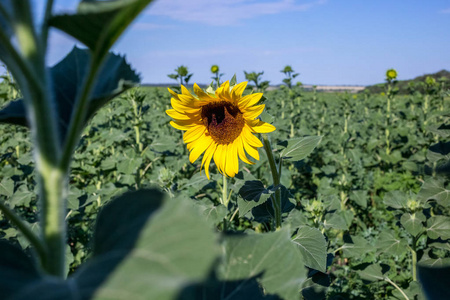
326	41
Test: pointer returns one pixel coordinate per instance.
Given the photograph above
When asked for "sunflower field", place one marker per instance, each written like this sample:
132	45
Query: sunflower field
109	190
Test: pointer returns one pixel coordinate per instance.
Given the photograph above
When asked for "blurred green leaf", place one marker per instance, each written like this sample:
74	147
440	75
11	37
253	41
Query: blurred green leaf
115	77
98	24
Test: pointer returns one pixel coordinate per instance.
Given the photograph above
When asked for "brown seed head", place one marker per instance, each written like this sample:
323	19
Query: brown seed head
224	121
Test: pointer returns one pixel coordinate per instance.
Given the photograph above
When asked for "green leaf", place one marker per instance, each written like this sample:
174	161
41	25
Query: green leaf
98	24
335	221
414	291
313	247
413	223
118	224
433	188
357	248
265	211
22	197
360	198
438	227
253	193
115	77
139	249
372	273
299	148
174	248
271	254
396	199
213	288
434	282
7	187
390	244
17	270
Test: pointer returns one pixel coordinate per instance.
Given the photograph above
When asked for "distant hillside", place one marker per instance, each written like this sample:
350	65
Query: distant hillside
403	84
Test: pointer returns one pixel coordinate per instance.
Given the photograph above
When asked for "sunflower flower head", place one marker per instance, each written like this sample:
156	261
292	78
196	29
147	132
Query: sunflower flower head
214	69
221	124
391	74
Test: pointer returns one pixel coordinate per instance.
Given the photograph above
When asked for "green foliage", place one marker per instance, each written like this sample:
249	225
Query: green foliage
290	75
182	74
260	86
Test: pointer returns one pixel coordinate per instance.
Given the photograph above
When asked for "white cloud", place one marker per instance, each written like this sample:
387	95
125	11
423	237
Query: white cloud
150	26
222	13
235	51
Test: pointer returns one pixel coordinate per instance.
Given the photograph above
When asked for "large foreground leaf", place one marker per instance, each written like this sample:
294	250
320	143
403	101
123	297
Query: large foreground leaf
98	24
67	76
434	282
141	251
271	255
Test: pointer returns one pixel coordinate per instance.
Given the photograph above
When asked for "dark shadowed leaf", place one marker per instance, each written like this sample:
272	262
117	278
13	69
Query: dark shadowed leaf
253	193
68	75
434	282
17	270
140	249
213	288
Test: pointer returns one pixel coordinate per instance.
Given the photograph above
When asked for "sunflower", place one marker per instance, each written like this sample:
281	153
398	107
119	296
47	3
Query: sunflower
391	74
220	124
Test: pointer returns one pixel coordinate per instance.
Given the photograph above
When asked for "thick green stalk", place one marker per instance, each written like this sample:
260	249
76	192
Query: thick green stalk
276	180
225	190
53	191
42	117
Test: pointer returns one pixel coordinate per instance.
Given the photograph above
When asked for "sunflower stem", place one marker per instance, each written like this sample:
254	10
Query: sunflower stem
276	201
225	191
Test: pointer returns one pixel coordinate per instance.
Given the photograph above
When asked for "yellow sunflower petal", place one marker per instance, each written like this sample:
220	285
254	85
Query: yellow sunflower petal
253	112
232	163
181	126
200	146
237	91
241	152
175	95
201	94
223	161
176	115
178	106
217	157
249	100
185	91
194	133
252	151
207	158
250	138
259	126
